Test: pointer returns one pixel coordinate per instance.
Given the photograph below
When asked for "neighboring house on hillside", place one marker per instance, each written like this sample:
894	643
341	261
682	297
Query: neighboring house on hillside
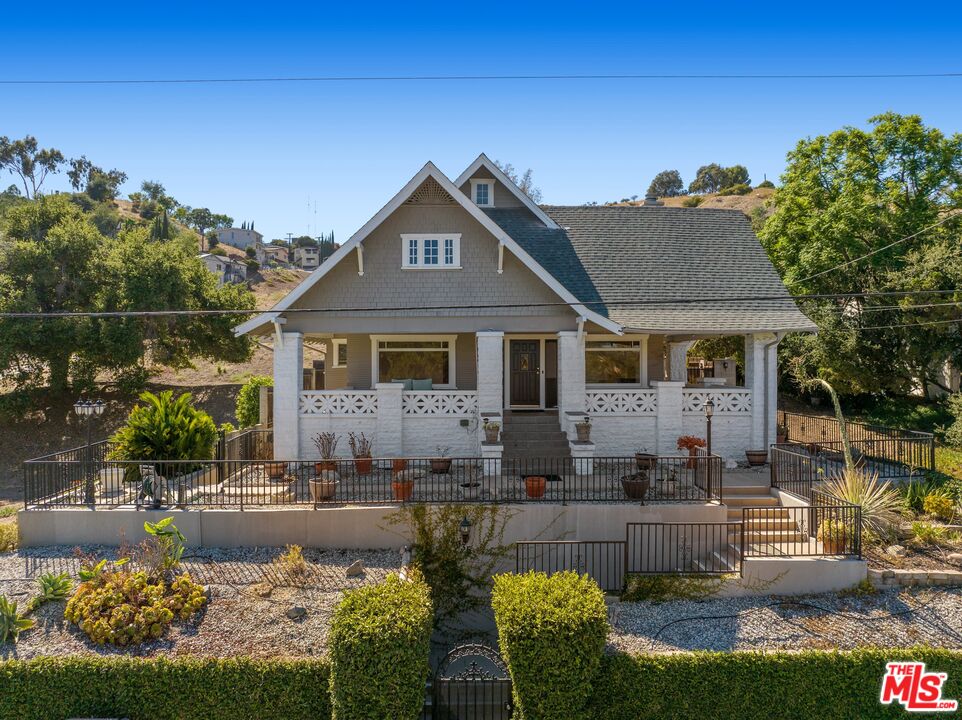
226	269
307	258
238	237
268	254
510	310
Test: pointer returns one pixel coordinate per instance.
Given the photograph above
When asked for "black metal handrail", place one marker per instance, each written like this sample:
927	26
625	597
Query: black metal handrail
603	560
683	548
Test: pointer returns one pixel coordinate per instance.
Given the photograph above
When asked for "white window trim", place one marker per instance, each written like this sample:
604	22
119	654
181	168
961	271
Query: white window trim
452	365
420	238
474	191
642	341
334	352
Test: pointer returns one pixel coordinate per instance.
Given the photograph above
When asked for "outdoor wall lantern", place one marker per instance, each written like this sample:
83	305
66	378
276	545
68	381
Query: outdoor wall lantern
465	528
709	411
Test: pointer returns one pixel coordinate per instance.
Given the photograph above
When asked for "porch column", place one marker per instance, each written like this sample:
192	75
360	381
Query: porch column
490	366
668	419
389	438
571	378
288	380
678	360
760	377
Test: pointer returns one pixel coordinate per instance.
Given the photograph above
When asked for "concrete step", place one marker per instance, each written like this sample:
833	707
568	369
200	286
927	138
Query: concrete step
751	501
532	448
772	536
533	431
744	489
779	523
735	513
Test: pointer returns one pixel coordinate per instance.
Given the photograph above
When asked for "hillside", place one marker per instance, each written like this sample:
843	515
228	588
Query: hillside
757	198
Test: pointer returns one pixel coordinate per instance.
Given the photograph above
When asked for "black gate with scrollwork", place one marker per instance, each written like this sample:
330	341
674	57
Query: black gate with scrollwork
472	683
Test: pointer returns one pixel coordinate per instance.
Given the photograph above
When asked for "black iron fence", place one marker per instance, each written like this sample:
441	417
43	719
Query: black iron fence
68	478
603	560
683	548
827	526
891	450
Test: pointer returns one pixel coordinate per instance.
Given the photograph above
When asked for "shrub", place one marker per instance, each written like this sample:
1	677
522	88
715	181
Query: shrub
739	189
248	409
165	689
693	201
12	622
953	434
552	632
914	493
379	644
930	534
8	537
940	504
765	184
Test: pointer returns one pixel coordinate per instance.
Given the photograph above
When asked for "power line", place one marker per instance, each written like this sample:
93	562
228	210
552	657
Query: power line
878	250
485	306
475	78
905	325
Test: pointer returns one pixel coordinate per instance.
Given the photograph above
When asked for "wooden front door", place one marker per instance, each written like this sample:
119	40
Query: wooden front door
525	372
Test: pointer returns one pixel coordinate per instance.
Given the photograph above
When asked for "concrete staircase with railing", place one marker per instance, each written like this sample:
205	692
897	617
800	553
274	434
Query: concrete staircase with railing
534	435
776	526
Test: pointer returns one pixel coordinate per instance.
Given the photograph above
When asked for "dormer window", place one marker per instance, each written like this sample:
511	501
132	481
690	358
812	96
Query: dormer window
482	192
431	251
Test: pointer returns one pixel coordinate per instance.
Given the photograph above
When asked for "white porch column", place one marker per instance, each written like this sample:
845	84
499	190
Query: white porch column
771	387
490	366
678	360
288	379
389	438
758	368
644	361
668	420
571	378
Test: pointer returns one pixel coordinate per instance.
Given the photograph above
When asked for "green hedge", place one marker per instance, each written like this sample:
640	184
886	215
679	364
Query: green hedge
178	689
750	686
380	641
552	633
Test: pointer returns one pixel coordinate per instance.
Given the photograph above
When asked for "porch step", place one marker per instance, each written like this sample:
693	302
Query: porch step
739	490
768	536
750	501
534	435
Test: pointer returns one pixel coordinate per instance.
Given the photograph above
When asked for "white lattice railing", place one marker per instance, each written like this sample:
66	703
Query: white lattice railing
440	403
346	403
621	402
731	401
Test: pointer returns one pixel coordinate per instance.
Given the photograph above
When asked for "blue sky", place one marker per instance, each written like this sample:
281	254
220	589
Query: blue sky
261	152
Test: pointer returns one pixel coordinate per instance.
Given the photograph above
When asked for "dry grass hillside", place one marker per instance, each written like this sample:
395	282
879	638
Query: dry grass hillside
757	198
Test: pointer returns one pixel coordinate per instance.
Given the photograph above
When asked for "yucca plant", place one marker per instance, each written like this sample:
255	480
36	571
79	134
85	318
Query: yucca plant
11	622
914	493
879	502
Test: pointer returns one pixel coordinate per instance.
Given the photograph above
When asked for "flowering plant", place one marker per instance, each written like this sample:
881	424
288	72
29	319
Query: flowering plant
690	442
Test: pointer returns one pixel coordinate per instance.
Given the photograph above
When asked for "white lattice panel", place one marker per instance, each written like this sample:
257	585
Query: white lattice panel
345	403
621	402
438	403
734	401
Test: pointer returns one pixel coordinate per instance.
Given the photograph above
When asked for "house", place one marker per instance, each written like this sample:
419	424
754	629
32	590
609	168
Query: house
270	254
238	237
226	269
462	301
307	258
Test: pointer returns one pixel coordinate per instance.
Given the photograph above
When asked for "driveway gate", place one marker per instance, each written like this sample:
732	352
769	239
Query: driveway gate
472	683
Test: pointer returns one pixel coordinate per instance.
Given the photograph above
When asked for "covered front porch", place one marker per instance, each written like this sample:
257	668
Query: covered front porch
422	394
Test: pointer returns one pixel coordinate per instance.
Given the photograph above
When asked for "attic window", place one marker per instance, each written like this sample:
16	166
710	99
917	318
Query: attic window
431	251
482	192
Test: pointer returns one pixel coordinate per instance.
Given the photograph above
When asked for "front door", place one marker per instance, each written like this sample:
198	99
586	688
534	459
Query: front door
525	373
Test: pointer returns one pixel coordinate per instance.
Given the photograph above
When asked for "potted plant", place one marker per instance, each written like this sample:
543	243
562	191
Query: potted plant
583	429
275	470
491	431
636	485
645	460
470	489
324	485
326	444
441	464
361	451
691	444
534	485
402	484
399	465
756	457
833	534
781	433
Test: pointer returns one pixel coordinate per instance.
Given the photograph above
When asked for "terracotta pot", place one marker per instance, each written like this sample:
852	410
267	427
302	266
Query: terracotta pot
834	546
781	438
636	486
275	470
692	462
534	485
756	457
491	435
441	466
398	465
325	486
646	461
363	466
584	432
325	466
402	490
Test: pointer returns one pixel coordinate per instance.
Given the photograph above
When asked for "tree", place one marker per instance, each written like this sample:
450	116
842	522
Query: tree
708	179
524	182
31	163
667	183
735	175
98	183
859	191
304	241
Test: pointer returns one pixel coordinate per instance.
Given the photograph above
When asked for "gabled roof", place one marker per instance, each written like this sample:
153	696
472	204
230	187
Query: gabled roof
616	259
484	161
428	171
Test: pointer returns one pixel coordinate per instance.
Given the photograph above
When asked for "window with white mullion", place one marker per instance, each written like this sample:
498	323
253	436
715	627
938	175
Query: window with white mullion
431	251
412	251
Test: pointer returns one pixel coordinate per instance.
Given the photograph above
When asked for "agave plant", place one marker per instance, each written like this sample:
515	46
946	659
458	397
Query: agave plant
11	623
879	502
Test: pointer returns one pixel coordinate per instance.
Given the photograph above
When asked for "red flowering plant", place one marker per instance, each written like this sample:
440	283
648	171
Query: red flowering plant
690	443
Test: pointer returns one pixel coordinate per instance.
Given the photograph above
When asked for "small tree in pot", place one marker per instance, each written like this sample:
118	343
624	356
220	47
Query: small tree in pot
691	444
583	429
361	451
326	444
441	463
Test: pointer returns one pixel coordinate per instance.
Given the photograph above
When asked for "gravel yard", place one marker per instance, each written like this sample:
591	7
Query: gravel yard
889	618
247	615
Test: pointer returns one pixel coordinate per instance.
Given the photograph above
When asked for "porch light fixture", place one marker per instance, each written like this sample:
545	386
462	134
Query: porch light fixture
709	411
465	528
87	411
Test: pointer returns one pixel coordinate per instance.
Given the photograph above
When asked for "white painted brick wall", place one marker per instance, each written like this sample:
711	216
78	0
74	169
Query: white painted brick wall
730	434
669	417
288	377
390	419
571	376
311	425
490	364
423	436
616	436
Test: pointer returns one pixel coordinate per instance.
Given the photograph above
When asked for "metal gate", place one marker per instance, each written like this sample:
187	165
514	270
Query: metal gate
472	683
